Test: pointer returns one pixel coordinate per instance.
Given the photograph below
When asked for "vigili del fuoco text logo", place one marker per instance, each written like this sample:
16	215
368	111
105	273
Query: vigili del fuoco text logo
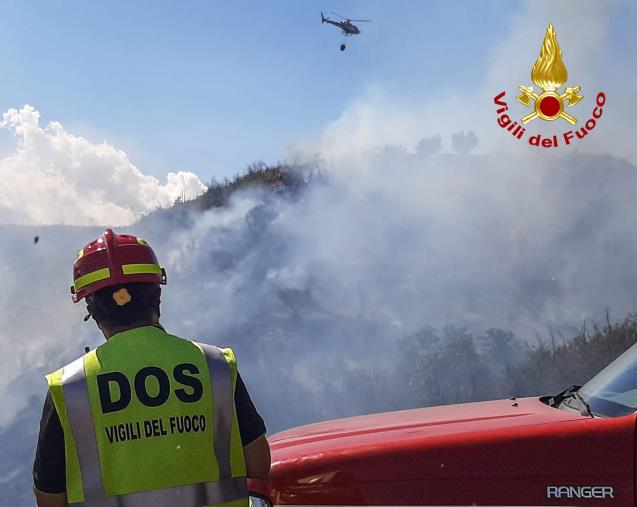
549	104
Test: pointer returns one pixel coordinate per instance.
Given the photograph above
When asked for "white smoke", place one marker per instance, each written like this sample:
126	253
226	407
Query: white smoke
54	177
307	290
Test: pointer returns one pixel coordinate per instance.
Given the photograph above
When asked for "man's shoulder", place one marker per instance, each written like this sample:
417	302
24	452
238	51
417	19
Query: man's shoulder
55	377
202	344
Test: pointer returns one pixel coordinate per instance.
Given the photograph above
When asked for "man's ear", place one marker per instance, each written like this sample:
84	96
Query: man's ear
89	313
158	313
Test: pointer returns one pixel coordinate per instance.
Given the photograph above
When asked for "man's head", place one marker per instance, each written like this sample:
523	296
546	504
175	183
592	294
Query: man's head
119	276
125	306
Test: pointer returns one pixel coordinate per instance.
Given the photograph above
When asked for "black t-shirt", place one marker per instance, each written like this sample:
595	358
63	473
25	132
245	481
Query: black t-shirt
49	468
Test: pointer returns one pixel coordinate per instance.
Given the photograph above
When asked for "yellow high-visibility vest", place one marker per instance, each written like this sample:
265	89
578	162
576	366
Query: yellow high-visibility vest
149	419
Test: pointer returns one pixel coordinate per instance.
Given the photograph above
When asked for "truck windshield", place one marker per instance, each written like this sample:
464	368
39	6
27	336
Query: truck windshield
613	391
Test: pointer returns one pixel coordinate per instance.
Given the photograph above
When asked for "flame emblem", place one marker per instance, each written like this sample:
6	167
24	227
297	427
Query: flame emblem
550	74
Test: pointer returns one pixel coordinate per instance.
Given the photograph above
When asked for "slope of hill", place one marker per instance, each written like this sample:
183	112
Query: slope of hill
337	293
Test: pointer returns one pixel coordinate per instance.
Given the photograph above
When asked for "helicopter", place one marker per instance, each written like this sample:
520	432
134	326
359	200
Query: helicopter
347	27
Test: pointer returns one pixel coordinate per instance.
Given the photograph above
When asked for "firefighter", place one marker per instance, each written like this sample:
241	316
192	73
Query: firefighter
147	418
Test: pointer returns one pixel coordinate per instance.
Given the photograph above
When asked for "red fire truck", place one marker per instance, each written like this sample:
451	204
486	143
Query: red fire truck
576	448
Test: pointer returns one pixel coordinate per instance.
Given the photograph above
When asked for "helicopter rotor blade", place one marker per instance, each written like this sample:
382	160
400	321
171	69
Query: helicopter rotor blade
342	17
361	20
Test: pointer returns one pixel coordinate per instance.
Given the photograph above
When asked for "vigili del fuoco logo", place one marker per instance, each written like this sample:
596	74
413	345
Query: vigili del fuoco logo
548	103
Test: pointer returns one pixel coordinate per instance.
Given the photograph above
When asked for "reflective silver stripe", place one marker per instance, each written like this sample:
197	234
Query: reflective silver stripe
223	403
194	495
78	411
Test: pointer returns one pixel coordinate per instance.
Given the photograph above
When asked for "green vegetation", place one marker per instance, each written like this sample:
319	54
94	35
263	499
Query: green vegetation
257	175
455	366
577	358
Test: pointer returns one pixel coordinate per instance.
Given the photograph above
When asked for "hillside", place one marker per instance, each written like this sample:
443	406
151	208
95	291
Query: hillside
434	280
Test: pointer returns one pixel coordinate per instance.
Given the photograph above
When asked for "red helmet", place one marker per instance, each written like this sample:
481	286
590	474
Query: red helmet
114	259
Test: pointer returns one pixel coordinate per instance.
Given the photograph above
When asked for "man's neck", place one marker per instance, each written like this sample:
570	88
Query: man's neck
111	331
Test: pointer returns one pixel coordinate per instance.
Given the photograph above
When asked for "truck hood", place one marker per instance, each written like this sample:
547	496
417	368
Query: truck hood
505	452
416	424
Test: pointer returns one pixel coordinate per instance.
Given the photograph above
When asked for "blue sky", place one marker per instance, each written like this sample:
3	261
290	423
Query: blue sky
212	86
